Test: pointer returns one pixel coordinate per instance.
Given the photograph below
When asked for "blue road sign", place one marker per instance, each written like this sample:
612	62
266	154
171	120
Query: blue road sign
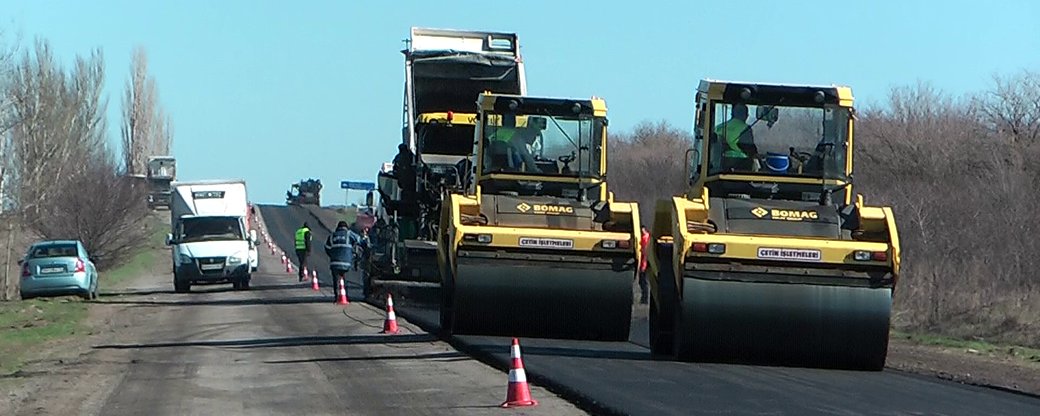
363	186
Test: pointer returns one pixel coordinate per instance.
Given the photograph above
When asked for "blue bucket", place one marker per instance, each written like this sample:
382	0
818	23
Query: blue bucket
777	162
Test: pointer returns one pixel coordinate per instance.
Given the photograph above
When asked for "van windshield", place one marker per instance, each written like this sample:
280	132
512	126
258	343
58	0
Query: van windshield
209	229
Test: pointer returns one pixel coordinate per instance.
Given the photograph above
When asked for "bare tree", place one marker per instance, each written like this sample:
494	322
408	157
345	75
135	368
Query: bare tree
61	122
7	117
955	172
146	128
64	169
104	210
1012	107
646	164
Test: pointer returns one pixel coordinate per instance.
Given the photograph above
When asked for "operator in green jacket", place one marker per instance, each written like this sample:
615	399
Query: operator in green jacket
738	140
303	248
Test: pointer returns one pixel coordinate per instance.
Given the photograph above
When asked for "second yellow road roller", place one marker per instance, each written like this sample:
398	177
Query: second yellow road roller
770	256
536	245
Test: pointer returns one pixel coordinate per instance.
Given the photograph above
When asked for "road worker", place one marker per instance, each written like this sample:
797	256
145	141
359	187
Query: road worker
302	244
644	247
340	249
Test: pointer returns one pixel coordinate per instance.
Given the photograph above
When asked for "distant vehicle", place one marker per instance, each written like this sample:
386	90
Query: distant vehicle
162	170
307	192
57	268
210	236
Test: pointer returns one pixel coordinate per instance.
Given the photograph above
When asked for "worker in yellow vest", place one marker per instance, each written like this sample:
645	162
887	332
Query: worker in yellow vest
302	245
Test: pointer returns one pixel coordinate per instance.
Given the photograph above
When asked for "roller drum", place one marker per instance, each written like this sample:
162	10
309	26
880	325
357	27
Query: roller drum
783	323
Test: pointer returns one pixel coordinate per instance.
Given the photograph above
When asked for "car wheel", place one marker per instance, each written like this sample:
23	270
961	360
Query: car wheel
242	284
181	286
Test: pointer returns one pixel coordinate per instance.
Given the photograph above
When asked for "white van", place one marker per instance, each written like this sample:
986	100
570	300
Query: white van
210	236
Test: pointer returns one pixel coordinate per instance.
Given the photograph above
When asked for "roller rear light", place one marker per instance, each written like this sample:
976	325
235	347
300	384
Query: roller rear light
863	255
710	248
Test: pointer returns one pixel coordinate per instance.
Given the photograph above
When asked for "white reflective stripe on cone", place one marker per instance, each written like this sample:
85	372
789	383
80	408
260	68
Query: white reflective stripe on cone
515	352
517	376
391	316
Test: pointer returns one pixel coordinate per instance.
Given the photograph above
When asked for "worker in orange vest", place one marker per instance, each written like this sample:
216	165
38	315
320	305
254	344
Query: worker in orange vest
644	242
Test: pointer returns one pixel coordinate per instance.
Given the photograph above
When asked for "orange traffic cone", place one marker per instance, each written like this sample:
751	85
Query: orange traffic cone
314	282
390	324
518	393
288	267
284	259
341	299
305	272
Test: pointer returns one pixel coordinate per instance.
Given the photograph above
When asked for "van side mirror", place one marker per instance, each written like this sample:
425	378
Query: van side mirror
252	236
169	239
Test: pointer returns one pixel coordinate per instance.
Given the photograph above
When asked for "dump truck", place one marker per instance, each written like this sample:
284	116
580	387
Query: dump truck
770	256
162	170
304	192
536	245
445	70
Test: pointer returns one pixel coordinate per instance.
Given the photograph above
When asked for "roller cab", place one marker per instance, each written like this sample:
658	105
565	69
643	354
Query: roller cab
536	245
770	257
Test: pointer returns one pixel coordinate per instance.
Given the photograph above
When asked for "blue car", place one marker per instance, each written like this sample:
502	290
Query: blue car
56	268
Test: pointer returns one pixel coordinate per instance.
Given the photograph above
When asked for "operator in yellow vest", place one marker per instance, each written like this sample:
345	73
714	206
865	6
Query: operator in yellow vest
302	244
738	140
509	147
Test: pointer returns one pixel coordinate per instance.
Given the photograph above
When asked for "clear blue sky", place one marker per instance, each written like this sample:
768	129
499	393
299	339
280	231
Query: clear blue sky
273	92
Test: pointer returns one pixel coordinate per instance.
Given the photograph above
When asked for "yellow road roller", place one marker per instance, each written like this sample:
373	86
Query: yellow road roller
770	257
535	244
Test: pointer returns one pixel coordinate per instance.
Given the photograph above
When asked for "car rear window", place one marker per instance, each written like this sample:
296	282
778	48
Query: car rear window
54	250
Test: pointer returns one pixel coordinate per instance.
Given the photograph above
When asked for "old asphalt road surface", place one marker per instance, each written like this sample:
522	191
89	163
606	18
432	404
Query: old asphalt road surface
283	349
620	378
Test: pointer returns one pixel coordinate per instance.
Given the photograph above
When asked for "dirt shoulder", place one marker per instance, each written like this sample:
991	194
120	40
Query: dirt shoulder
141	338
53	372
1003	368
